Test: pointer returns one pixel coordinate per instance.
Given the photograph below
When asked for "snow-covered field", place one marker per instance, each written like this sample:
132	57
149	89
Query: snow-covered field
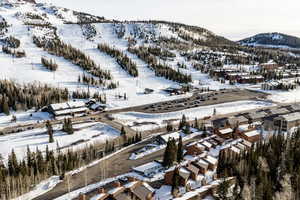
41	188
291	96
89	133
27	117
158	120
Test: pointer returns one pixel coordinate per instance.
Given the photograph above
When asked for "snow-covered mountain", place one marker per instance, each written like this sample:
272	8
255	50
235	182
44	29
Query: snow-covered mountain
272	40
27	31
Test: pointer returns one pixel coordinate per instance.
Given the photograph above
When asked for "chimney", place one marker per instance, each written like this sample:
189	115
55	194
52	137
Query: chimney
82	197
117	184
101	190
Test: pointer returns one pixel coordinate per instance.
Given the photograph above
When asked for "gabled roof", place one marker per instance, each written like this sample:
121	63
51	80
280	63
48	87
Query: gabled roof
202	163
184	173
122	196
241	146
225	131
76	104
252	133
192	168
211	160
174	135
59	106
247	143
207	144
116	190
143	191
148	166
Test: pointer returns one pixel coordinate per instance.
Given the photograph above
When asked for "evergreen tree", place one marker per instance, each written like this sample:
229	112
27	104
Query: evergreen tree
123	132
5	107
182	123
67	126
187	129
222	190
169	127
50	131
175	180
180	150
170	155
196	124
214	112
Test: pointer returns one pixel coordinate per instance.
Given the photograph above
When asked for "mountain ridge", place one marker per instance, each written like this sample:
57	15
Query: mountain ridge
272	39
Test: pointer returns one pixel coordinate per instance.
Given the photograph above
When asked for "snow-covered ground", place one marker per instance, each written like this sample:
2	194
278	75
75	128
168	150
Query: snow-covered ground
41	188
38	138
27	117
158	120
291	96
133	87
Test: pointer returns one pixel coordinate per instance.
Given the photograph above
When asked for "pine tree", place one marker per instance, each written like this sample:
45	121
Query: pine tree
196	124
67	126
50	131
169	127
182	123
214	112
222	190
5	107
123	132
167	160
175	180
180	150
187	129
170	155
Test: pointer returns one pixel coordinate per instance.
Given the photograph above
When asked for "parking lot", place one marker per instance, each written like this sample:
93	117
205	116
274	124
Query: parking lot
202	99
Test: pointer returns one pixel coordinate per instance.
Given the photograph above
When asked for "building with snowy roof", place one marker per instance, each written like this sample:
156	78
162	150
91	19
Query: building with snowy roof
251	136
225	133
149	169
67	108
163	139
283	122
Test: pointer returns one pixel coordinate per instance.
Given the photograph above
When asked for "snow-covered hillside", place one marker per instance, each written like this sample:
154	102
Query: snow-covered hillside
24	21
276	40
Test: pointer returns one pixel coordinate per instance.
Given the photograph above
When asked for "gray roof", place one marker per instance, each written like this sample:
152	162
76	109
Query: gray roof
239	119
291	117
122	196
257	115
142	191
295	107
278	111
